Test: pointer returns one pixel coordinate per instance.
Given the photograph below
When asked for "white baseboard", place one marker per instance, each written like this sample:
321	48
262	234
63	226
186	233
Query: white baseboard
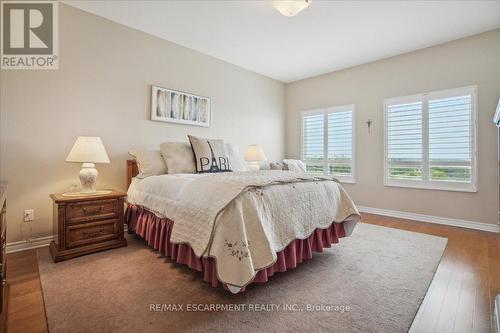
28	245
432	219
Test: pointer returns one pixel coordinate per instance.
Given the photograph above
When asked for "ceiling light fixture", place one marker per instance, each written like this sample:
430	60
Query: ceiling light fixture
291	7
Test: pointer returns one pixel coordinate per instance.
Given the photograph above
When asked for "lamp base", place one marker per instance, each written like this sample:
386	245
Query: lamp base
88	176
253	166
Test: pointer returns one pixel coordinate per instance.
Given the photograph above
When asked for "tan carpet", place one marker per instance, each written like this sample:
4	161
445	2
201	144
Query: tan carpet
381	274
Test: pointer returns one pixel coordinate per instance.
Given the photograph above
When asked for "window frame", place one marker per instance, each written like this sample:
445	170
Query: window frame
426	183
325	112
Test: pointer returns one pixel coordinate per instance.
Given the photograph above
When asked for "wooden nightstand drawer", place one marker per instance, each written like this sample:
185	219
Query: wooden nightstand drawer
80	234
87	224
92	210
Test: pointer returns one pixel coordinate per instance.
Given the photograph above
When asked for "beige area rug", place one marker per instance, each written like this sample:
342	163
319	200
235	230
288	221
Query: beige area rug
373	281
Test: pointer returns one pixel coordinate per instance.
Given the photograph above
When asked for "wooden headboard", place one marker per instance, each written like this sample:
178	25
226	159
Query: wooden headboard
132	171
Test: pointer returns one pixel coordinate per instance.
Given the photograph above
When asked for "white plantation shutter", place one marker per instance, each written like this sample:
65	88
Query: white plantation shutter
328	142
430	140
404	135
312	142
450	139
340	143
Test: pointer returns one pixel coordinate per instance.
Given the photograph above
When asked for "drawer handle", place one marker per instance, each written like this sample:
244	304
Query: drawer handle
92	234
92	211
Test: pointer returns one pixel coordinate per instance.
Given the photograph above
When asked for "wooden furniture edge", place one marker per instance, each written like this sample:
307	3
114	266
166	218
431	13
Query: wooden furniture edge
4	284
61	255
58	197
132	171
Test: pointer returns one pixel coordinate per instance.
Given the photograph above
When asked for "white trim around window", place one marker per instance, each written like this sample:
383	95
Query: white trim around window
324	132
424	126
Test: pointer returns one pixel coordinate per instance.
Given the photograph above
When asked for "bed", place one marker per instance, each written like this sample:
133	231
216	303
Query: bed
238	227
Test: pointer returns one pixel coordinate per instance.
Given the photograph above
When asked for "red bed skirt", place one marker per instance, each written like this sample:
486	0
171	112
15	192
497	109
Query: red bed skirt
156	231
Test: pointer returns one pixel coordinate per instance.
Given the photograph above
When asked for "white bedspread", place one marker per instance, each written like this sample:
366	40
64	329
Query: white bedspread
243	219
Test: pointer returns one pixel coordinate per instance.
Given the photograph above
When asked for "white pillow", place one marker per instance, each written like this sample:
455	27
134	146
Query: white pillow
149	162
235	159
178	157
295	165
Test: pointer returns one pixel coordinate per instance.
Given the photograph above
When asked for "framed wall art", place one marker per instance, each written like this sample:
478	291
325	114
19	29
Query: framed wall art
178	107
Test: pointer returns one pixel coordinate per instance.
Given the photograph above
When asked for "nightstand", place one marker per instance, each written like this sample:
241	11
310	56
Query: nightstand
87	224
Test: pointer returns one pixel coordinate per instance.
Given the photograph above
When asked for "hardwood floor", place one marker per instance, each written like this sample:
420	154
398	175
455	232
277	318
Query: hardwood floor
460	298
25	309
461	295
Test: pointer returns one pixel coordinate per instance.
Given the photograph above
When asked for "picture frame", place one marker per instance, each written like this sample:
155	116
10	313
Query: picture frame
173	106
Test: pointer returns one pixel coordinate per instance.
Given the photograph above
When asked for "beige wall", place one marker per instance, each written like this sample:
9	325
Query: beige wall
102	88
470	61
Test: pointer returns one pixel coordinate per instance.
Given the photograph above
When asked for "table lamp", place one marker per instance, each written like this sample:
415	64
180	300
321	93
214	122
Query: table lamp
88	150
254	155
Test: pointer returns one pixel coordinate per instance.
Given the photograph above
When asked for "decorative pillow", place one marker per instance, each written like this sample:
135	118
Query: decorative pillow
236	162
295	166
178	157
210	155
276	166
149	162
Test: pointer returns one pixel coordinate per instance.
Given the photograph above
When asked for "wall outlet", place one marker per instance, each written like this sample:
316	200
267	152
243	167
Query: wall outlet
29	215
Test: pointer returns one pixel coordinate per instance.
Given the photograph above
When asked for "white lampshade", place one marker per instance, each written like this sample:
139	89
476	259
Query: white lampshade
291	7
88	149
255	153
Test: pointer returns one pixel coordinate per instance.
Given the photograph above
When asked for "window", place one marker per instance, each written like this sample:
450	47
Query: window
328	142
430	140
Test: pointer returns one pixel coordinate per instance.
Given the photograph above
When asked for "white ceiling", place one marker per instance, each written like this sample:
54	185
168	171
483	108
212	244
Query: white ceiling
327	36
